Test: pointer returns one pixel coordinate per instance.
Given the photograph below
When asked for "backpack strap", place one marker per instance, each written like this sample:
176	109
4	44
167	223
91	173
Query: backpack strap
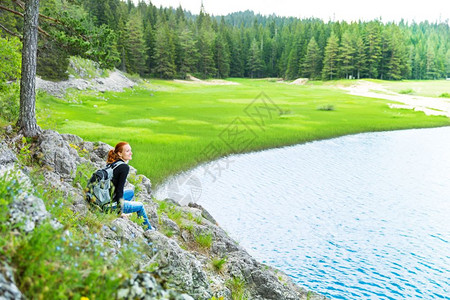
116	164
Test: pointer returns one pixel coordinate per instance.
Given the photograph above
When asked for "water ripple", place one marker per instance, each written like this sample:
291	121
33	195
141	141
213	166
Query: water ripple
358	217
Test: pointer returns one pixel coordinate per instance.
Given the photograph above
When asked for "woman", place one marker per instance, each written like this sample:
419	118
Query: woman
122	152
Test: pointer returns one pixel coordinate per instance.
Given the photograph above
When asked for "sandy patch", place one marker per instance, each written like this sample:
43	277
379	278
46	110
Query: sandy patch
429	105
193	80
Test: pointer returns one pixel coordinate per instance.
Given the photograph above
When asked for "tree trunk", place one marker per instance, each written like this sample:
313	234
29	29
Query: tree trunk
27	118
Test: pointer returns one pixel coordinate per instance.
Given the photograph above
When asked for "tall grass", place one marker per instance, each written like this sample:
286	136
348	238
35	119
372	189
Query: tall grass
173	126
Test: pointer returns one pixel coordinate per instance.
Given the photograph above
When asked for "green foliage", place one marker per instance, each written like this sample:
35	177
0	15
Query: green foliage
445	95
52	61
219	263
237	287
204	239
10	58
9	102
406	91
327	107
83	174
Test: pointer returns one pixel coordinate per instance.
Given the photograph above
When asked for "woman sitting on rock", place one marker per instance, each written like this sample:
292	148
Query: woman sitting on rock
124	199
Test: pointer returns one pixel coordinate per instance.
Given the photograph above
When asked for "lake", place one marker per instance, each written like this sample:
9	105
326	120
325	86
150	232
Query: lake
364	216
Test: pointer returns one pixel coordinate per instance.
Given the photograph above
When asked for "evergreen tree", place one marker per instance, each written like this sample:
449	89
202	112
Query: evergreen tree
187	56
222	57
135	49
373	46
292	66
164	56
347	55
431	71
331	58
254	62
311	65
360	58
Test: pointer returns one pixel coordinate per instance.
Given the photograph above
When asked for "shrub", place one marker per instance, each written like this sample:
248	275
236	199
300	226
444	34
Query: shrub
445	95
406	91
9	101
218	263
204	240
237	287
327	107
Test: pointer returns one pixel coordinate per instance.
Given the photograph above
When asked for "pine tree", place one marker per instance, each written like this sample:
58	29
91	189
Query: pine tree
347	55
360	58
222	57
431	71
164	56
135	49
292	66
331	58
311	65
254	62
187	56
373	46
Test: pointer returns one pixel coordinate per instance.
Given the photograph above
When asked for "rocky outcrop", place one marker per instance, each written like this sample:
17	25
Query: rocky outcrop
116	82
186	267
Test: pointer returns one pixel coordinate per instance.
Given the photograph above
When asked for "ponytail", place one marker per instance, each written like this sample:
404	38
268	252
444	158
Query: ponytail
113	154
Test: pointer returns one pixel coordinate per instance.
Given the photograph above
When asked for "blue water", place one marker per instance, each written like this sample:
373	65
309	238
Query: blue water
365	216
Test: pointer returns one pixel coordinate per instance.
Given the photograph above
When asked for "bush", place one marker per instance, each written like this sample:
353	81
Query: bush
204	240
218	263
327	107
9	102
406	91
445	95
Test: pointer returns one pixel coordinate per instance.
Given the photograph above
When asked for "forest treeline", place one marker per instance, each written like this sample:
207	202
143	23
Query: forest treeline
171	43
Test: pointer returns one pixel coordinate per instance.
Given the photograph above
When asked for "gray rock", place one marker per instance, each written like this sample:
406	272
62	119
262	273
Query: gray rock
181	269
72	139
7	156
57	154
8	288
9	129
28	211
146	184
144	286
102	150
205	213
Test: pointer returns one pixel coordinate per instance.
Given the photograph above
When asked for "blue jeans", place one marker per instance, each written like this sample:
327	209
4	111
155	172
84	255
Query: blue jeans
130	206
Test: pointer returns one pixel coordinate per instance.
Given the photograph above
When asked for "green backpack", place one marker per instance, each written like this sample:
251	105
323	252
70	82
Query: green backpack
99	189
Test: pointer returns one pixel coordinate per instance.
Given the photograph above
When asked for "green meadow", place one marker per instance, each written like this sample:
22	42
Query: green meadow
173	126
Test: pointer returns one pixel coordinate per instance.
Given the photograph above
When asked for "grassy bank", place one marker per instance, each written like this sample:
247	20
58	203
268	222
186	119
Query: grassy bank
172	126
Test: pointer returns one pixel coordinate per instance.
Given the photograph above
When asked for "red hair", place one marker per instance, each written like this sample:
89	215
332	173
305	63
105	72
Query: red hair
113	154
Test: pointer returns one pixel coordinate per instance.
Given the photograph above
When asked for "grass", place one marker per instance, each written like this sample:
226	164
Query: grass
219	263
237	287
173	126
204	239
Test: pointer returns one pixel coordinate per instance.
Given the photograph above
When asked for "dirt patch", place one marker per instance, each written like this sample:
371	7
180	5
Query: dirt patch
429	105
194	80
300	81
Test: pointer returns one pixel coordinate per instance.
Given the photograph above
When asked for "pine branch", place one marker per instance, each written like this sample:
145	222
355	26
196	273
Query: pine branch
11	32
21	14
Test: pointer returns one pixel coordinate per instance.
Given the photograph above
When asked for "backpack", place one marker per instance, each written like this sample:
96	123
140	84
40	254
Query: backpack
99	188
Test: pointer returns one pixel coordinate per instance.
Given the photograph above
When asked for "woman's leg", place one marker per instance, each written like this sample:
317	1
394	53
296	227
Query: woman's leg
128	195
137	207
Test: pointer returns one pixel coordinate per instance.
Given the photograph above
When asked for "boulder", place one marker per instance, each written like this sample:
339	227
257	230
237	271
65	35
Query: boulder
181	269
57	154
8	288
7	156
